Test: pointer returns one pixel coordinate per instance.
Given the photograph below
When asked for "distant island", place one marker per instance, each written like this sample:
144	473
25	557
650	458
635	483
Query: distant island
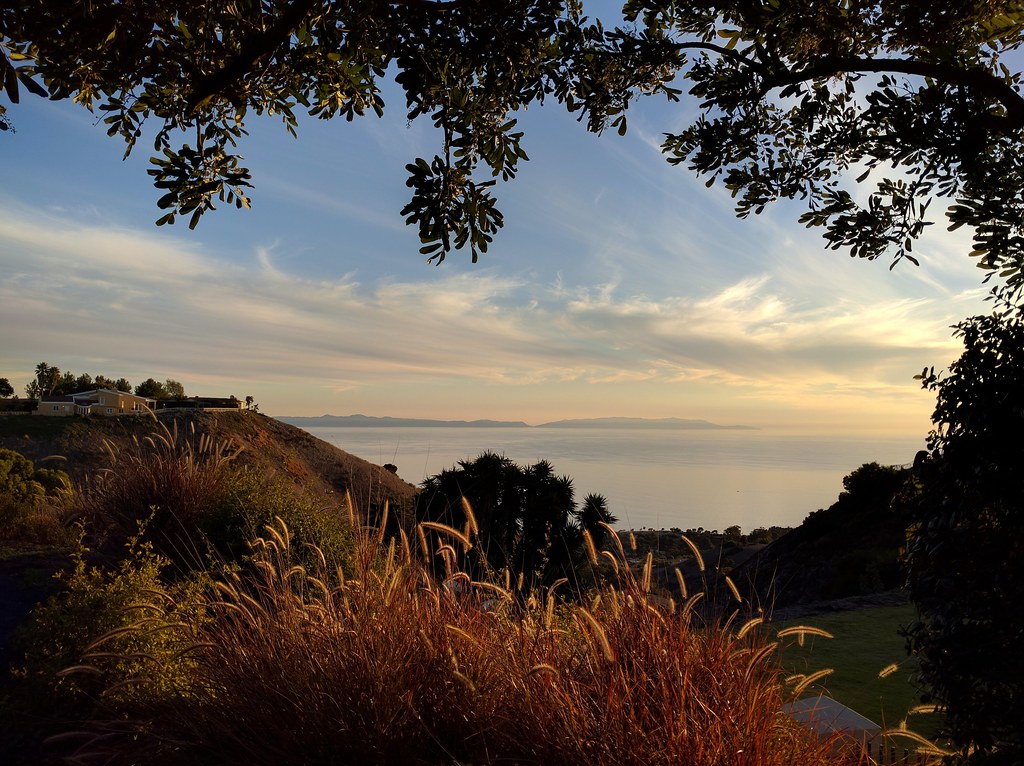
679	423
369	421
364	421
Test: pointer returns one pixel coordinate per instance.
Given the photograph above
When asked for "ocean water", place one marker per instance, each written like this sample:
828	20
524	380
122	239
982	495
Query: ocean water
652	478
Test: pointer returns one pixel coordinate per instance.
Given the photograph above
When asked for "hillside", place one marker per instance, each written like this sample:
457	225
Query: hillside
850	549
841	557
847	550
79	446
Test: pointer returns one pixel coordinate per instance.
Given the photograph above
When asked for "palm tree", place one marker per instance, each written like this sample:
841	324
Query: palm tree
590	516
527	518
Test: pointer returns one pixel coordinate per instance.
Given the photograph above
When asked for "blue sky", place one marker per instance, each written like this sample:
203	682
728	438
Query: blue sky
619	286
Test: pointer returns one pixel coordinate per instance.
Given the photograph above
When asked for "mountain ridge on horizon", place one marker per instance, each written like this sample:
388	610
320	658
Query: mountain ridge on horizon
362	421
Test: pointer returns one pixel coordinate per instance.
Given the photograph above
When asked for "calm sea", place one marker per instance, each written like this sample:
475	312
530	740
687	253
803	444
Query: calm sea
657	479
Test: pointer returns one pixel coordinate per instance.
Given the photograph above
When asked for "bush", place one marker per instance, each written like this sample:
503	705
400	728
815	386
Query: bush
29	501
200	507
83	628
168	480
248	503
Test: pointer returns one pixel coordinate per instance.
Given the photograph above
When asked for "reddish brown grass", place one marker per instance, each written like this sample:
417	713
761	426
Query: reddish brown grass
310	667
165	480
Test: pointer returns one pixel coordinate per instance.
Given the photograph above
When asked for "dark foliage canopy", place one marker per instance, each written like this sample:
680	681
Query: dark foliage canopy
965	553
801	99
154	389
196	70
796	99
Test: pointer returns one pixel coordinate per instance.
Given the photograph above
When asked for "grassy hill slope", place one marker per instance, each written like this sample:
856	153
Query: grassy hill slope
849	549
80	446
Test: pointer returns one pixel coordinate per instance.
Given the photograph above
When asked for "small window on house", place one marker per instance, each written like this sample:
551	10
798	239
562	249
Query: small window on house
110	410
56	408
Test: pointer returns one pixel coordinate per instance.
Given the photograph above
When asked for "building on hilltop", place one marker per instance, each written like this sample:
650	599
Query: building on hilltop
102	401
106	402
200	403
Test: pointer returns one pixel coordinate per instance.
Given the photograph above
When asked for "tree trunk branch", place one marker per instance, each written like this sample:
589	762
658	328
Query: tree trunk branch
258	46
253	49
979	80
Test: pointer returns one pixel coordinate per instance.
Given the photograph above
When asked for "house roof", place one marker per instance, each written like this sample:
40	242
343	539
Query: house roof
825	716
211	402
109	391
89	397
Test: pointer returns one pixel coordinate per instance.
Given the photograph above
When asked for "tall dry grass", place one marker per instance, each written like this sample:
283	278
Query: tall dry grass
166	479
298	665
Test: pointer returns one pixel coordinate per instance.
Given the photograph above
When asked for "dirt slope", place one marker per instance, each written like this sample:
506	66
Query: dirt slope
80	446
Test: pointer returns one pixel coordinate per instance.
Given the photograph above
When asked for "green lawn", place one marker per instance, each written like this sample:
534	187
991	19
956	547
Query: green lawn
866	641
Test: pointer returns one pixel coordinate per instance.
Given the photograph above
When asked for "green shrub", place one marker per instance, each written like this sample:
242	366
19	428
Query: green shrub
248	503
30	510
85	627
17	476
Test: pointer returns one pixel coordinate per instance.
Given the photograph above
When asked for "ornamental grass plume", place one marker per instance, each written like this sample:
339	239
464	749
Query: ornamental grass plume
167	479
295	664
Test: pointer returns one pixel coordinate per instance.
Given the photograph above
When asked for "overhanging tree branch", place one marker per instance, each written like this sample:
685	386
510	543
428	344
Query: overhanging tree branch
977	79
721	50
257	47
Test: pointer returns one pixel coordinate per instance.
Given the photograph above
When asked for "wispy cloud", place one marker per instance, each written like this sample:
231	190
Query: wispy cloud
145	302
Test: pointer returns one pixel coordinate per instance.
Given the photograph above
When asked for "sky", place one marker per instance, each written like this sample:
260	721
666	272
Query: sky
620	285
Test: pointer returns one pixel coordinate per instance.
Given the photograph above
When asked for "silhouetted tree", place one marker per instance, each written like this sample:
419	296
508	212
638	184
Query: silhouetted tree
965	550
46	381
65	384
152	389
527	517
591	515
173	389
6	389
